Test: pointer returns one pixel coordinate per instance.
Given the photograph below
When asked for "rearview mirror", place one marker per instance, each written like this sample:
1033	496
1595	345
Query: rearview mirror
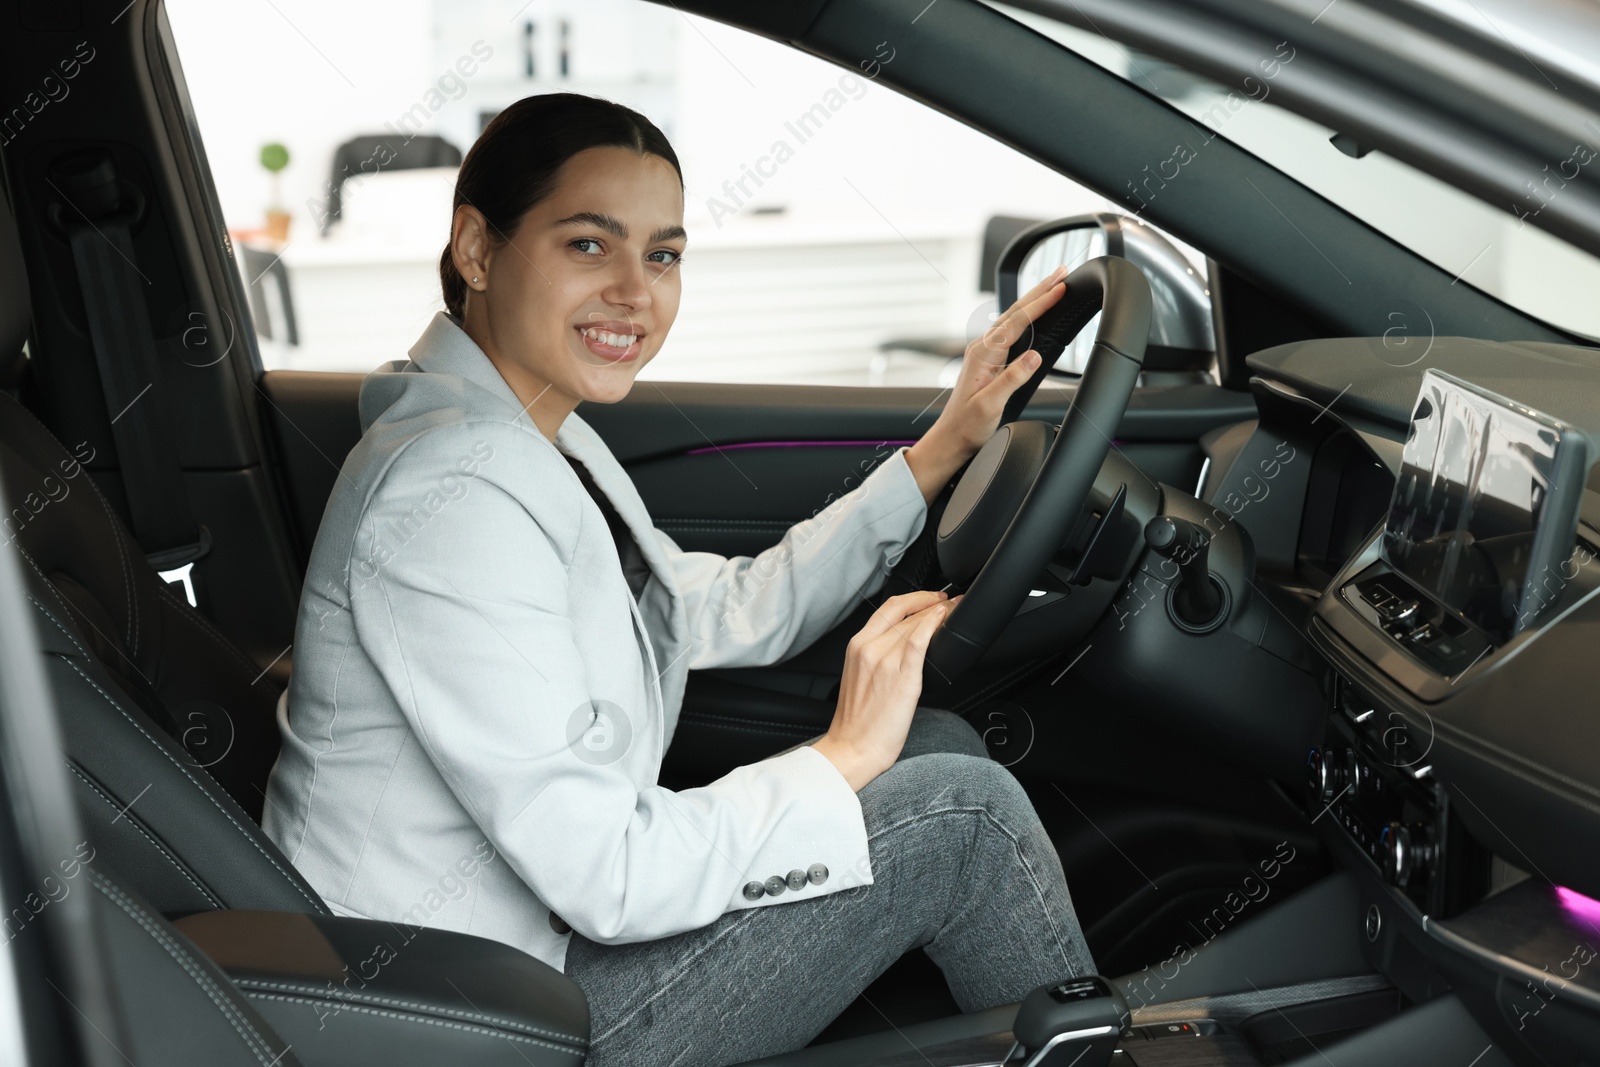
1181	337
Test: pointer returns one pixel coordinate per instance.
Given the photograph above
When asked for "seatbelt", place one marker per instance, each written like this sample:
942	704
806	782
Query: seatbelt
98	228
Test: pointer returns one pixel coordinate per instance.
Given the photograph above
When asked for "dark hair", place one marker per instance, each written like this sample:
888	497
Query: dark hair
513	164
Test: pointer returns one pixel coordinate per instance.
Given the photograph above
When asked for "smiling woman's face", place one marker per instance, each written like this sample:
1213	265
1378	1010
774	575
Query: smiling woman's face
583	294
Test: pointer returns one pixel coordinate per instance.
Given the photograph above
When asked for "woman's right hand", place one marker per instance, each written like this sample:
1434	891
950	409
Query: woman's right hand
880	685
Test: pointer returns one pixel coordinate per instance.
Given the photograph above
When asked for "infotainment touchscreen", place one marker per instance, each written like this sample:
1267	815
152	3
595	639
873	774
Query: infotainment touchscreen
1485	510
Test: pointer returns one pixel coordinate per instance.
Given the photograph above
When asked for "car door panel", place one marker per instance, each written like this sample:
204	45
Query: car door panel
727	468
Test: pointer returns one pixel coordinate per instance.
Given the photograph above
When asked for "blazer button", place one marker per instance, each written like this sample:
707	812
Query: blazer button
754	890
776	885
558	924
797	879
817	873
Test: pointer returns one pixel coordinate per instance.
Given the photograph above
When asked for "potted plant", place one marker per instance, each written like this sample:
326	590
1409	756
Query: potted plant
275	157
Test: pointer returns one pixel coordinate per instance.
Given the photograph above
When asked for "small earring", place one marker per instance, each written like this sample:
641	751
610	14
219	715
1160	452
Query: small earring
474	279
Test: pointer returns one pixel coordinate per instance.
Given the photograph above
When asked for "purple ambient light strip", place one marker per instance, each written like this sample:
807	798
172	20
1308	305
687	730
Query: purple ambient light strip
793	444
1578	905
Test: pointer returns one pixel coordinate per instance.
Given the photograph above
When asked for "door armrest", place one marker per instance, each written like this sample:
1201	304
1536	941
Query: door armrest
358	991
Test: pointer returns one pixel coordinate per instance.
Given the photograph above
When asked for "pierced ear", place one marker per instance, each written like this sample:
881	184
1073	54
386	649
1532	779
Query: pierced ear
469	245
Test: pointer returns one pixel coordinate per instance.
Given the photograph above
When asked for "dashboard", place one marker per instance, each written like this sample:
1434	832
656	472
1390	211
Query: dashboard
1456	766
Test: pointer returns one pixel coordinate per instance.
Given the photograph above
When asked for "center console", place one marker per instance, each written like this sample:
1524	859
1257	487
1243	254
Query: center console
1371	777
1271	990
1455	774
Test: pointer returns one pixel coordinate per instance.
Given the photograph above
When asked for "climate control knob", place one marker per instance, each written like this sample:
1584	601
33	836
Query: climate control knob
1406	850
1357	780
1327	772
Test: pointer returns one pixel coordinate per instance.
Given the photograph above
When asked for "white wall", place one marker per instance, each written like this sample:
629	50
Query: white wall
310	77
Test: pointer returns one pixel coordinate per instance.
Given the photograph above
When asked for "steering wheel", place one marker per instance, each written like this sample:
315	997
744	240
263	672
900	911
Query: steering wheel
1024	490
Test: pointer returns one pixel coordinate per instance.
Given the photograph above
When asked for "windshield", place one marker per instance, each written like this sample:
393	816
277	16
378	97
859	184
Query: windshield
1478	244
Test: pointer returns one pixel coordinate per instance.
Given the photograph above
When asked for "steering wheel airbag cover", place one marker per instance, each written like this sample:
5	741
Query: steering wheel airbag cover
988	495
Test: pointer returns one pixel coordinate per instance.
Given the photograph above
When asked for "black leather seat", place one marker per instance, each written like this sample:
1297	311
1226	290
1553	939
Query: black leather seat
169	728
177	1005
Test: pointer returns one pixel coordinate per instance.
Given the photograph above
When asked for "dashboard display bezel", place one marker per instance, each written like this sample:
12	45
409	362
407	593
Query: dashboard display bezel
1552	516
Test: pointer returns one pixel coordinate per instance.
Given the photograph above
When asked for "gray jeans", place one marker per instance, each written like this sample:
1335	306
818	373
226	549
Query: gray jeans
961	868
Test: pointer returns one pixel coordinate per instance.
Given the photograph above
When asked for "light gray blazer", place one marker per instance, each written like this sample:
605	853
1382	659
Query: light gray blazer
473	733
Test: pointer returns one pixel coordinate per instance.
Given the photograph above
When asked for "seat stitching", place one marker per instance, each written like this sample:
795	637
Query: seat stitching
66	607
240	1023
90	656
755	723
481	1031
206	626
316	904
127	571
47	614
251	984
253	842
157	845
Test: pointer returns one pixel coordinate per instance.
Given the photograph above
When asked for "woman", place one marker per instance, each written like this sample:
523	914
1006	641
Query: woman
493	641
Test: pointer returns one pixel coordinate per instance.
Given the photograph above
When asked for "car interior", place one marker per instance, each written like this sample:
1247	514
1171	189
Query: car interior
1296	693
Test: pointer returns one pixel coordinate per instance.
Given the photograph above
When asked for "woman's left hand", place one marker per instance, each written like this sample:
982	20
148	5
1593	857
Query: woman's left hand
982	388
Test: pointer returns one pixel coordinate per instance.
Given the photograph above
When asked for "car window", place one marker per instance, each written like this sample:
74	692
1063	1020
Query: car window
836	228
1482	245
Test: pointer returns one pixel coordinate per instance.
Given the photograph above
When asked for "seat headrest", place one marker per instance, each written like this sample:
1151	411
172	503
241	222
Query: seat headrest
16	310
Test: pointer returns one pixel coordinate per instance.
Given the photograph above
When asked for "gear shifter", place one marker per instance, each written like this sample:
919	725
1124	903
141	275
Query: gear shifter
1077	1021
1197	598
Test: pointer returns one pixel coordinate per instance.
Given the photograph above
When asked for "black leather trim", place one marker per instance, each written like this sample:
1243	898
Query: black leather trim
161	820
192	816
1313	935
975	1038
749	724
734	525
357	990
16	312
160	652
168	727
724	724
177	1006
117	844
313	415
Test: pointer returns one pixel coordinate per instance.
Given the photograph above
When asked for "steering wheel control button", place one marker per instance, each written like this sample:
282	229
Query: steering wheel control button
817	874
754	891
558	924
796	879
776	885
